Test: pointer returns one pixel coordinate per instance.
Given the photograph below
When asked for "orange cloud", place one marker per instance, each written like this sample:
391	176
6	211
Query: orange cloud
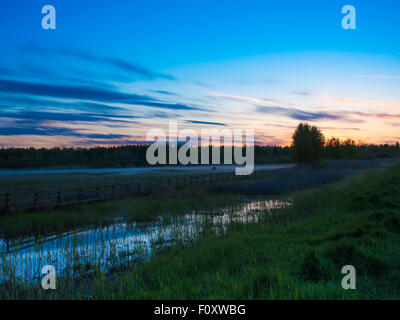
376	115
366	102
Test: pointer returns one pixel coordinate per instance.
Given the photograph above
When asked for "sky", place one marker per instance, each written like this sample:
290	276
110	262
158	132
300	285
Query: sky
112	70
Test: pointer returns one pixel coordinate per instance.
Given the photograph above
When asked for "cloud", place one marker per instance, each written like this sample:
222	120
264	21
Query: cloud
96	107
272	141
121	64
55	131
119	142
43	72
299	114
310	116
12	102
172	106
86	93
393	124
162	115
105	136
39	116
244	98
206	122
169	93
366	102
60	91
375	115
340	128
280	125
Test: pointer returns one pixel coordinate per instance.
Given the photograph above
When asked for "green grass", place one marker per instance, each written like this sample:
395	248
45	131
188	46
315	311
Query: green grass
61	181
167	202
297	253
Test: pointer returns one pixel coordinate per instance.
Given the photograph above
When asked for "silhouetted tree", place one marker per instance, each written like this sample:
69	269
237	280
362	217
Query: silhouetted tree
349	147
334	148
308	144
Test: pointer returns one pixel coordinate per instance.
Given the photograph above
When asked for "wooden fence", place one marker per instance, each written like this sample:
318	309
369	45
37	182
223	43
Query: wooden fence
28	201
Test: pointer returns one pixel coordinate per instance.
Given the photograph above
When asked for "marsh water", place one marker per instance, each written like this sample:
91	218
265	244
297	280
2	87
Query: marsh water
84	251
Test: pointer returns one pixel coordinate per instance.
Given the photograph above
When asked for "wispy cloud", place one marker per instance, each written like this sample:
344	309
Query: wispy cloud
120	64
341	128
36	116
365	102
299	114
393	124
319	115
86	93
376	115
168	93
206	122
244	98
55	131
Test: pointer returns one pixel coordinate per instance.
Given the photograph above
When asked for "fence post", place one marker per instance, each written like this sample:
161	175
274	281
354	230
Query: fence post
126	188
113	191
59	197
97	193
35	199
80	194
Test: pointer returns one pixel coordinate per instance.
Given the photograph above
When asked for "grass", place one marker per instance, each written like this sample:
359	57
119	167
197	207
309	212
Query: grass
141	209
177	201
57	181
302	177
296	253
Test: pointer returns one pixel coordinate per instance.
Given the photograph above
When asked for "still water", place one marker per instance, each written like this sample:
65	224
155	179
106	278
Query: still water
84	251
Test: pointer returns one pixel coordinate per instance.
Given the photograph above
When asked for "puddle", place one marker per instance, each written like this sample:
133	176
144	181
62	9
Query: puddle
81	252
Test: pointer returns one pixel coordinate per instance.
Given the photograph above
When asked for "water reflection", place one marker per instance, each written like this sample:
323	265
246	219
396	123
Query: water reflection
82	252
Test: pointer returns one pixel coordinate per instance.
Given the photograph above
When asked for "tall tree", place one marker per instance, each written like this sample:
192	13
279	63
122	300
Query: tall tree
308	144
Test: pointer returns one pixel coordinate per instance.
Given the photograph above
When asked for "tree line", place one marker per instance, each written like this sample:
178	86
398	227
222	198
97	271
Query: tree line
118	156
308	146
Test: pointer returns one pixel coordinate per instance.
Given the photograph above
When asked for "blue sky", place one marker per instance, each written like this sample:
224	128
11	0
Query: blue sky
113	70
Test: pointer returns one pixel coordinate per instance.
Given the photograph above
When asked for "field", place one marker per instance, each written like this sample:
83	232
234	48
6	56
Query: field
268	238
36	190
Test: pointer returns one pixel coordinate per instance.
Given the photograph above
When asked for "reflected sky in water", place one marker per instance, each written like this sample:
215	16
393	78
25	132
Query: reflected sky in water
83	251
